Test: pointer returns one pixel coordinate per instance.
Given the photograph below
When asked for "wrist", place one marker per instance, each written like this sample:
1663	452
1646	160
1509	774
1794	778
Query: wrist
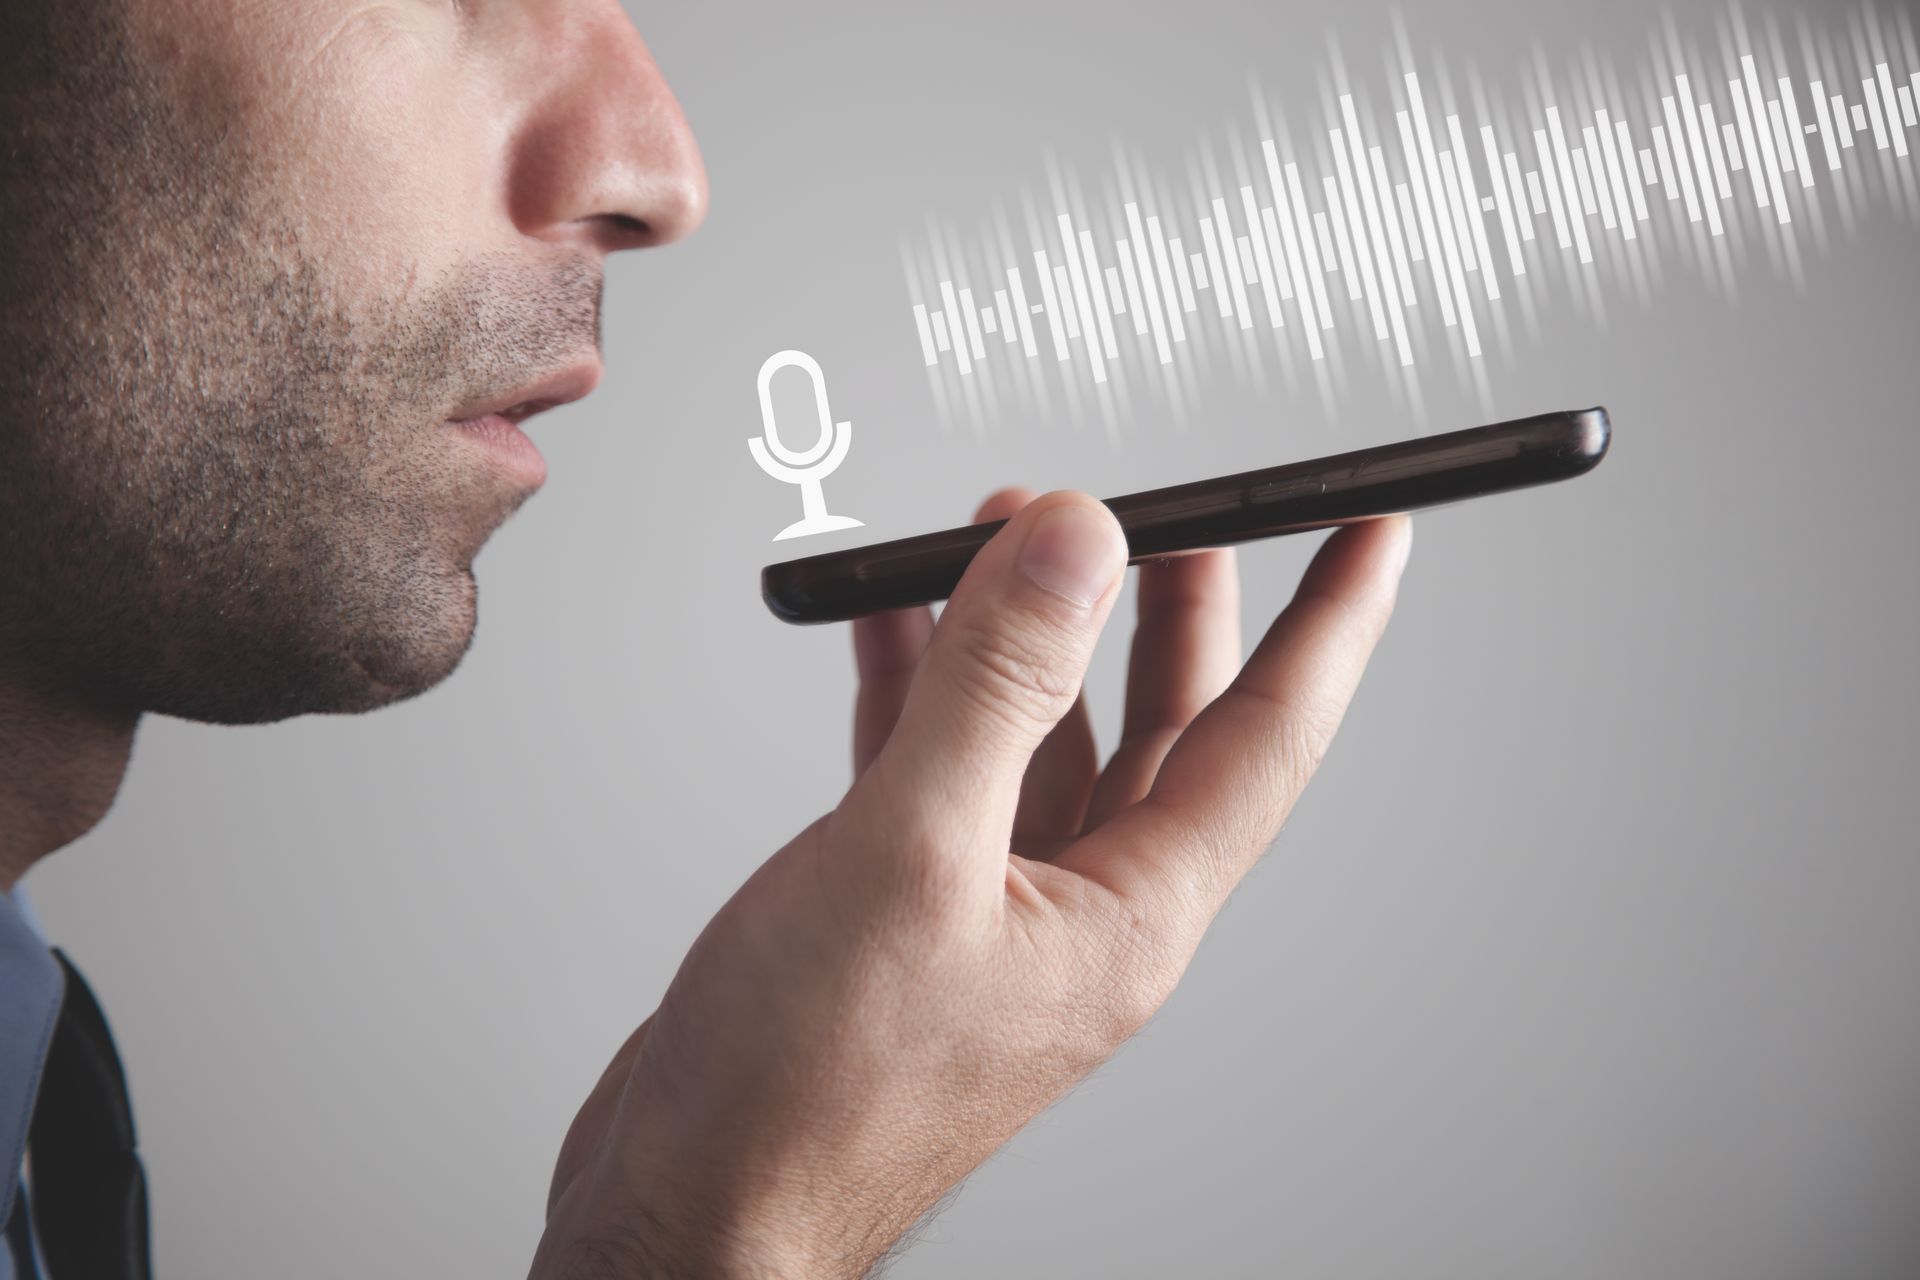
601	1232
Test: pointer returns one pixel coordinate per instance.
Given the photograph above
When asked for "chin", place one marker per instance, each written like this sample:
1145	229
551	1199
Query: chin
404	661
353	661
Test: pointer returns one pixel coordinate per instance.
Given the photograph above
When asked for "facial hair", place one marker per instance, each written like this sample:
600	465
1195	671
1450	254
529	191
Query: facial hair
227	491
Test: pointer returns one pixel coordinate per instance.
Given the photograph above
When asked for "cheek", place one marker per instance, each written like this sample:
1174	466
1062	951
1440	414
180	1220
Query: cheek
363	124
400	188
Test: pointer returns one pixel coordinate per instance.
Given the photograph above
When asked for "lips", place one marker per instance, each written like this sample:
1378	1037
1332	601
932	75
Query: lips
520	403
493	424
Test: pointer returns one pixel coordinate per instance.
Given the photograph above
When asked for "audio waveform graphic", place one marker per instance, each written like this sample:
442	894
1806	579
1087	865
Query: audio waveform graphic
1419	231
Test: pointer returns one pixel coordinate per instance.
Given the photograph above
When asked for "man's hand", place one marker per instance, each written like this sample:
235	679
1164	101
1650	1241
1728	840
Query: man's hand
984	917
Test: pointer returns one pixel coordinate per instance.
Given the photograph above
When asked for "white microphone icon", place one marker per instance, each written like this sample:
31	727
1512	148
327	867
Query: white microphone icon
806	468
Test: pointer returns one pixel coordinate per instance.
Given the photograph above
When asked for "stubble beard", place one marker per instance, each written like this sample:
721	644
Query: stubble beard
227	492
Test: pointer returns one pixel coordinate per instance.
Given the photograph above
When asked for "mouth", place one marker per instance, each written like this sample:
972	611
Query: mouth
493	423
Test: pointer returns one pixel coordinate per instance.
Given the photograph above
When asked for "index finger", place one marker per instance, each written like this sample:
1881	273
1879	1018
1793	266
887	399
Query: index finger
1233	776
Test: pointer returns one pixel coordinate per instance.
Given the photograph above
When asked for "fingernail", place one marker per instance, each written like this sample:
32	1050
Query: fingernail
1406	547
1074	552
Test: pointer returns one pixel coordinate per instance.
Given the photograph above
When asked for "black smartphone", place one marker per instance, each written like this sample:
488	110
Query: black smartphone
1316	494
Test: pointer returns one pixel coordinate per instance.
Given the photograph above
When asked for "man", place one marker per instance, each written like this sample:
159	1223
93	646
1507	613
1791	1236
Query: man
278	283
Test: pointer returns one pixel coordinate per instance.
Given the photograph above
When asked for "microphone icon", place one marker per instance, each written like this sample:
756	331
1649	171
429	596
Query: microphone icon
806	468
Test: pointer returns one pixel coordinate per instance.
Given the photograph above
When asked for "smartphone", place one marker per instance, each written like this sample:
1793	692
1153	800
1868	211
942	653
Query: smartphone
1317	494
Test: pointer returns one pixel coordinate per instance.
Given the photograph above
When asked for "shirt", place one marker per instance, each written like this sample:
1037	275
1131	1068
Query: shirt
31	988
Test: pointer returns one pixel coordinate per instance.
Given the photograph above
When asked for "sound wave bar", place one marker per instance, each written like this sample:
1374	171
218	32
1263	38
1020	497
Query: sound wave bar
1438	213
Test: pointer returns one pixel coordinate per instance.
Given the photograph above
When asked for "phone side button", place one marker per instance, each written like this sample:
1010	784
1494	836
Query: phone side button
1286	490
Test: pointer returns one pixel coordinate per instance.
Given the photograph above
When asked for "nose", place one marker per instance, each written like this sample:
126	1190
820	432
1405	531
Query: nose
603	157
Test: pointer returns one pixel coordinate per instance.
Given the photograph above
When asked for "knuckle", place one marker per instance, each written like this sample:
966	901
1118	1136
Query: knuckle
1217	857
1300	726
1305	736
1015	673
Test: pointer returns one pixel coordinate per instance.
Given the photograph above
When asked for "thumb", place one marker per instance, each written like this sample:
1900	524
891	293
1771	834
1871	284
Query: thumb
1004	665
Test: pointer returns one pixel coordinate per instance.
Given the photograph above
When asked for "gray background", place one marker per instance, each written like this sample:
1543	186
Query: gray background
1592	952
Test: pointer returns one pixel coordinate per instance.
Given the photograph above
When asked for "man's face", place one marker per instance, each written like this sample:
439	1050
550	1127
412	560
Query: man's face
276	280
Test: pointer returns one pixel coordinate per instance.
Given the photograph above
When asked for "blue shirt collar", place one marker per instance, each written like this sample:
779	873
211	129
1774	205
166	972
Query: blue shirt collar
30	992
